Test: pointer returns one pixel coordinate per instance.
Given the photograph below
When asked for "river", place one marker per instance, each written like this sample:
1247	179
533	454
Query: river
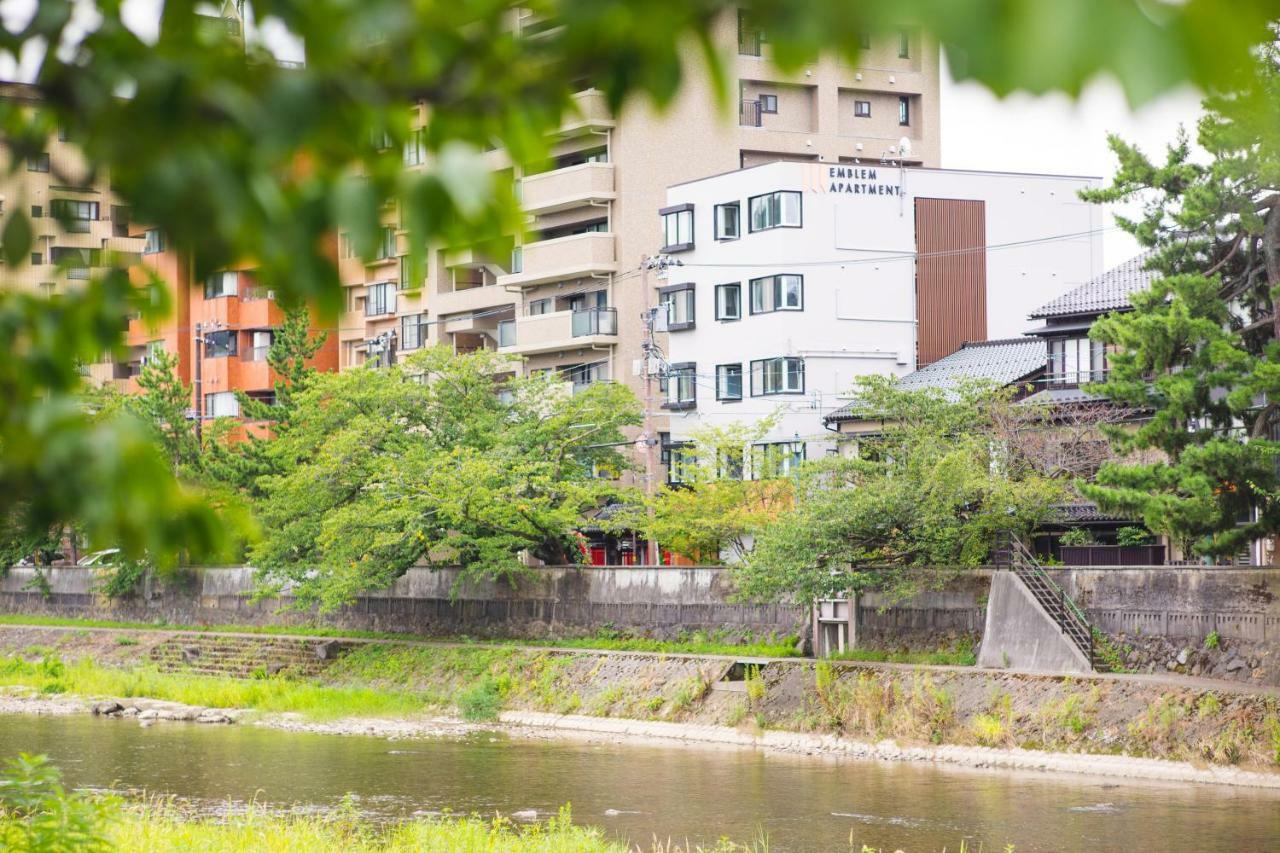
639	792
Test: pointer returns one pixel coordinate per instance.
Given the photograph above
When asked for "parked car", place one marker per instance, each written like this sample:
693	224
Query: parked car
99	559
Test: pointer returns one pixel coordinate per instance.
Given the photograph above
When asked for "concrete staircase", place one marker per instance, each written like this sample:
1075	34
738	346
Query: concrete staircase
244	657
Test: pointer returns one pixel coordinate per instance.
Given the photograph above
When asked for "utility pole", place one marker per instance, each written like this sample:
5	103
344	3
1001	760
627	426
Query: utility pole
652	355
199	407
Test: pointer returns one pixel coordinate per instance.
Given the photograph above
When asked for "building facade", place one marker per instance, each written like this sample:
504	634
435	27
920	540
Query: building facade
794	279
571	294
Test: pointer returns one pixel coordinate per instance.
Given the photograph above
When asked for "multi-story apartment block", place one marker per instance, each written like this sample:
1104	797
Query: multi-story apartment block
571	295
75	218
797	278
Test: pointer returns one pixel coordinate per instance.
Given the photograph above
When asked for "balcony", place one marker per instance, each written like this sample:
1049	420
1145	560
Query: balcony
564	189
591	112
470	299
561	330
563	258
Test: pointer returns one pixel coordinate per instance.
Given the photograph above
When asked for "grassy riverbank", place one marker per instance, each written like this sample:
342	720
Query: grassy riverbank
692	642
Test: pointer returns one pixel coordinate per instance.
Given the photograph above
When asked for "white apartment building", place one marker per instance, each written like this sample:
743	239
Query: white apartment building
794	279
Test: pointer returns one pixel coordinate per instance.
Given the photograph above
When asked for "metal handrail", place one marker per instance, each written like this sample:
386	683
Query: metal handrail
1024	564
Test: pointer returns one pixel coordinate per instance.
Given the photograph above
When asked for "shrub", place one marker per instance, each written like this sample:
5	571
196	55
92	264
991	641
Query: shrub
989	730
1130	536
1212	640
1077	536
756	688
481	702
38	815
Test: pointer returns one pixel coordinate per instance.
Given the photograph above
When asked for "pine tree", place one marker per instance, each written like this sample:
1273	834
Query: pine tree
1200	350
165	404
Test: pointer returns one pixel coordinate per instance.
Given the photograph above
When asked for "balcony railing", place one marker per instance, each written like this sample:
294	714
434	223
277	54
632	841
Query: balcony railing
749	114
595	321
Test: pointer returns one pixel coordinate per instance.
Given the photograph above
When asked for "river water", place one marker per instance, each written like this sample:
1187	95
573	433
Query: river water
639	793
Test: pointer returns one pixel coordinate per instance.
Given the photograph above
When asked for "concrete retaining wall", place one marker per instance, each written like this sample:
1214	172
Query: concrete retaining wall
1020	634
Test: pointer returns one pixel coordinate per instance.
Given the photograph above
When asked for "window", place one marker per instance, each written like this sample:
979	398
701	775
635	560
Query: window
413	331
1074	361
517	259
775	210
783	375
153	242
776	458
36	259
379	299
63	136
728	217
119	220
225	283
75	216
678	300
386	243
729	301
76	261
223	404
750	36
346	249
728	381
539	306
862	109
677	228
154	348
904	110
730	464
677	456
37	211
777	293
38	163
681	386
220	344
415	149
769	104
904	44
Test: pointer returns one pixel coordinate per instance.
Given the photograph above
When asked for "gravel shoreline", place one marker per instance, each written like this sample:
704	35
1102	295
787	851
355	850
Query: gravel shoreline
543	726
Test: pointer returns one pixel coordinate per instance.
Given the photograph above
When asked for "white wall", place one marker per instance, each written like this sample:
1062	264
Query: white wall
855	252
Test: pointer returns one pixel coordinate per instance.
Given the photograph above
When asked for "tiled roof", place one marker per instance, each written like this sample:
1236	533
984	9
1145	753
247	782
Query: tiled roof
1061	396
1108	292
1002	362
1083	512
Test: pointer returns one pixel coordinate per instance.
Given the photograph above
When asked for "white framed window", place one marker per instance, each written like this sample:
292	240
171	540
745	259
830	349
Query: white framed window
904	44
769	104
1076	361
681	386
539	306
782	209
223	283
904	110
415	148
777	293
386	243
677	228
38	163
782	375
862	109
153	242
729	382
729	301
679	303
728	218
380	299
222	404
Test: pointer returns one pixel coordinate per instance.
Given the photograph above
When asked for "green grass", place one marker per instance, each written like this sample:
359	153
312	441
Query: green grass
696	643
86	678
941	657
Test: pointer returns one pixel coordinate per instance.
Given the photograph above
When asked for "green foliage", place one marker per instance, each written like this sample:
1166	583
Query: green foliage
1133	536
930	490
481	702
1112	654
165	405
756	688
1077	536
1212	640
37	815
1200	348
423	463
724	497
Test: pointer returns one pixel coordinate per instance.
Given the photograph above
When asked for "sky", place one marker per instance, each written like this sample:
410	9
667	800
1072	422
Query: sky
1021	133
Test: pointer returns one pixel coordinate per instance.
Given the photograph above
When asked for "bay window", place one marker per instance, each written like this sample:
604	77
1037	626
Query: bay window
679	305
782	209
783	375
681	386
777	293
677	228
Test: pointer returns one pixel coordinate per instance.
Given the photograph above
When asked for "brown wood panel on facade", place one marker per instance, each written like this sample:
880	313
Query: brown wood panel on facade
951	276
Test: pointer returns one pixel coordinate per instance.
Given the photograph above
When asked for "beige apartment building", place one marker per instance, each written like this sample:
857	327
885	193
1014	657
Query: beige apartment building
571	295
75	219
